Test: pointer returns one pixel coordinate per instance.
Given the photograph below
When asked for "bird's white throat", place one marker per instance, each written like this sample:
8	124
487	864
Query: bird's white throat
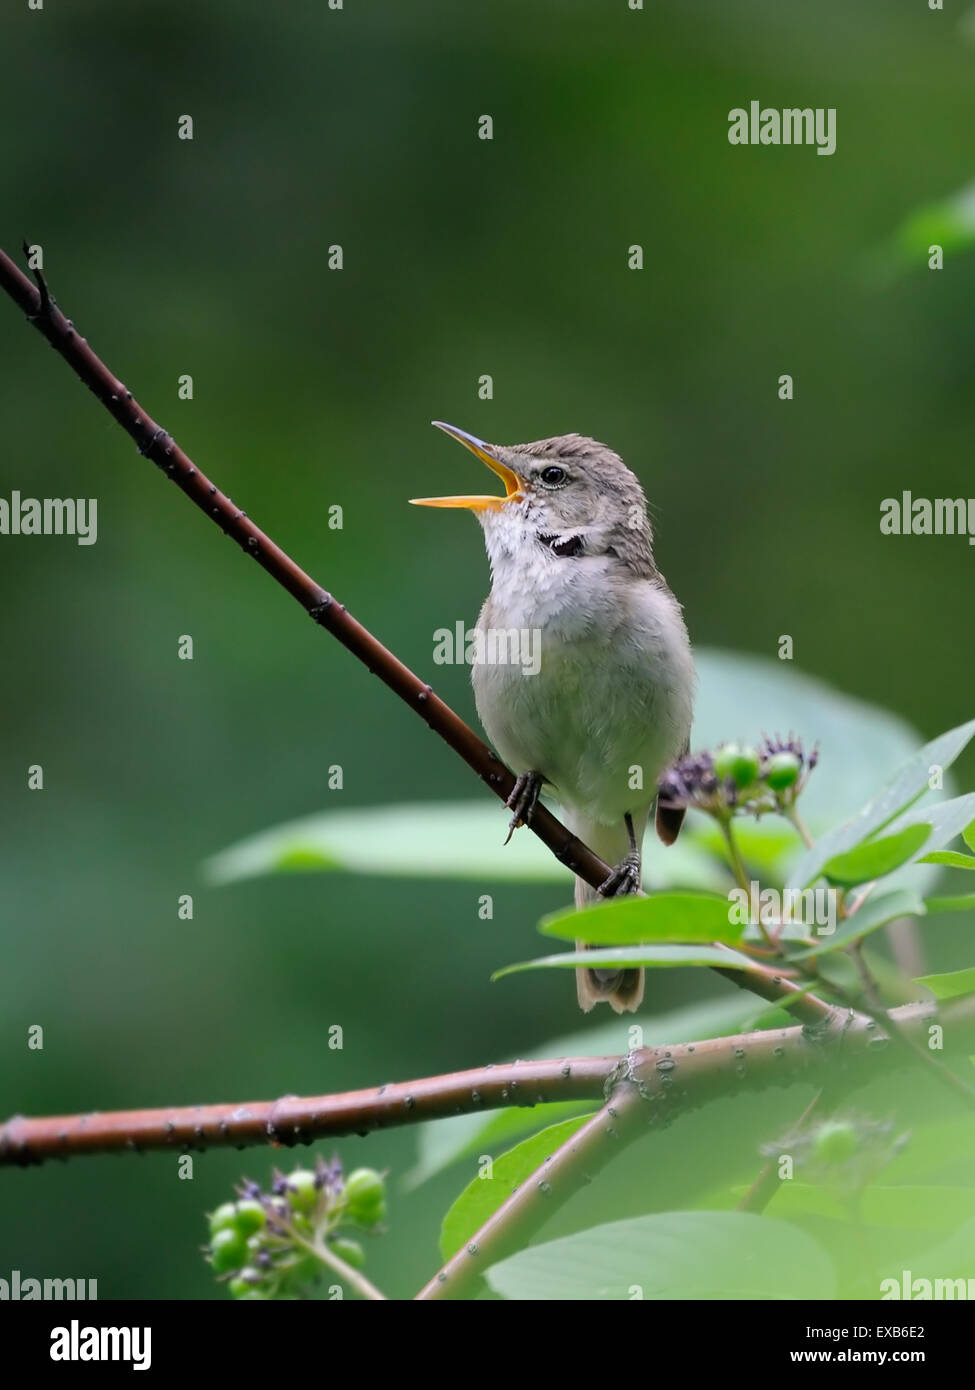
534	586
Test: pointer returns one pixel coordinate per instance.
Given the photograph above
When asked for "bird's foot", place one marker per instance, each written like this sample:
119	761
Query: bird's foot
625	879
523	800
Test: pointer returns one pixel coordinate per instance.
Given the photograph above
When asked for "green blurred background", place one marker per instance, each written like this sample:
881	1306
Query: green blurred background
315	387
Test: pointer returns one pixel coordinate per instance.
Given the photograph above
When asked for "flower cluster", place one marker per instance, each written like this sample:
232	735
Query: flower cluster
274	1244
737	778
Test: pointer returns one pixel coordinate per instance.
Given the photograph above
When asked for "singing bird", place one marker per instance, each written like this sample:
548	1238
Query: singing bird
608	704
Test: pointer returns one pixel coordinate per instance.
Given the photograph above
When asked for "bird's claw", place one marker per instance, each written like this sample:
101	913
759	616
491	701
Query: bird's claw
523	800
624	880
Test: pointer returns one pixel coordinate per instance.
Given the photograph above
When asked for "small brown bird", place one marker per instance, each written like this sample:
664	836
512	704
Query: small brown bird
608	703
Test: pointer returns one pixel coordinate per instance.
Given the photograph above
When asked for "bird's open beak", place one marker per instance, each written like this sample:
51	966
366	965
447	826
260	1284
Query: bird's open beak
512	483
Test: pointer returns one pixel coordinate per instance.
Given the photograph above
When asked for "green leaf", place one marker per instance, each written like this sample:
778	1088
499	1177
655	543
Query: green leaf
442	1142
663	917
950	985
462	838
947	819
910	783
968	835
951	858
437	839
654	957
481	1197
961	903
875	858
688	1255
876	912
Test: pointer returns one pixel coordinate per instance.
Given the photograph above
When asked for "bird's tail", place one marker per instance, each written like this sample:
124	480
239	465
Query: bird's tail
621	989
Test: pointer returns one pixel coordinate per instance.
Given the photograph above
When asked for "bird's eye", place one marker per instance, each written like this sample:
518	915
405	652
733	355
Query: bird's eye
553	476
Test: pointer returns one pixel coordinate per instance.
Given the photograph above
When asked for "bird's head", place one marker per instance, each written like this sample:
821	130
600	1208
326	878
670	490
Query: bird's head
569	496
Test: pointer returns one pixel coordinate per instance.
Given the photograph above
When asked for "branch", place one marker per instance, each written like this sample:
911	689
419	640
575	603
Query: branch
565	1172
294	1120
156	444
672	1079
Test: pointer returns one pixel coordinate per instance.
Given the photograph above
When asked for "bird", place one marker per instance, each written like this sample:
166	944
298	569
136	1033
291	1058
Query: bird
608	704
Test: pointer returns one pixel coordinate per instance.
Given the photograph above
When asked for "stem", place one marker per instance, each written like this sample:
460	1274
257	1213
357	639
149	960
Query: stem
796	820
738	868
353	1277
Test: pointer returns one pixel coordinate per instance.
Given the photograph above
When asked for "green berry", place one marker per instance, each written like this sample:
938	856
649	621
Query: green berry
781	771
836	1141
224	1218
368	1215
244	1217
350	1251
228	1250
365	1197
302	1191
366	1210
737	764
364	1186
251	1216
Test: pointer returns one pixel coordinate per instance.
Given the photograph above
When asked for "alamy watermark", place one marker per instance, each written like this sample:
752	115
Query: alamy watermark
908	515
775	908
19	1288
926	1290
50	516
77	1343
794	125
491	646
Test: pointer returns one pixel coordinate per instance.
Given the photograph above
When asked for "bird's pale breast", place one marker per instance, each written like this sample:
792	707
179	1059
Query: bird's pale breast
610	703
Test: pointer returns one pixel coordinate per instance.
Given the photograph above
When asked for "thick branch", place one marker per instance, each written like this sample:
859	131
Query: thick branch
159	446
293	1120
671	1079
